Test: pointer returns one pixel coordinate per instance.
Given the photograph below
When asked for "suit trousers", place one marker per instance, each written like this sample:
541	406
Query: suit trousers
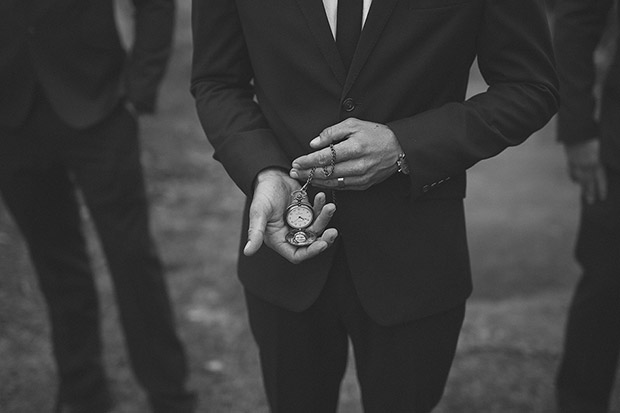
592	342
401	368
43	164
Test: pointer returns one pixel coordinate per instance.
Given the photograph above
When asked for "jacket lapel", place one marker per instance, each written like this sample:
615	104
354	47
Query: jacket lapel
378	16
314	12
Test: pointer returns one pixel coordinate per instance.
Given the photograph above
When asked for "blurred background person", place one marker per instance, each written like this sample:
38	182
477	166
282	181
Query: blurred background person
589	127
68	106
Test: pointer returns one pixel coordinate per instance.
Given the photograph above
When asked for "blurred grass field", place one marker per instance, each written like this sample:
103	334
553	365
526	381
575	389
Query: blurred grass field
522	216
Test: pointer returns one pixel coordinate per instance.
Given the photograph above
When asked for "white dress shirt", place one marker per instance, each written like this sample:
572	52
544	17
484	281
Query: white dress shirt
331	9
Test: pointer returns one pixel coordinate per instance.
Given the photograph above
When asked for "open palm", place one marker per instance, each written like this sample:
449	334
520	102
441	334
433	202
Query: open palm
271	197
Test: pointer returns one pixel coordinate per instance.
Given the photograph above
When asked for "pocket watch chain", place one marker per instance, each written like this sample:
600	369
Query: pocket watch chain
328	170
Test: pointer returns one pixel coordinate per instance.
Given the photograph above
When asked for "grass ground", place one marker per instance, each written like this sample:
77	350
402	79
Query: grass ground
522	219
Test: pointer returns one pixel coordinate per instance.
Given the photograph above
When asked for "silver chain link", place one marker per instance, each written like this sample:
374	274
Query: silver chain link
327	170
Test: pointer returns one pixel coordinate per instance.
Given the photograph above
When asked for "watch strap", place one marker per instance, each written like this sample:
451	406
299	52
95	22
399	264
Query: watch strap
402	165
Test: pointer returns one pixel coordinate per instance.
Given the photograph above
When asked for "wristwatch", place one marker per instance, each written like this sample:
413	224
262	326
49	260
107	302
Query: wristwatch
401	163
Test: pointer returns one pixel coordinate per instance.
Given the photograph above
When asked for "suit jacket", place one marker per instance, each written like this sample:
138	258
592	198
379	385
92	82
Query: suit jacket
72	50
267	78
579	27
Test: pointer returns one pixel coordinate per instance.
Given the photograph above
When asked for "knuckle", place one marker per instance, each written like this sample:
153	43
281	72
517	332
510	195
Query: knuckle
365	182
326	133
356	146
322	158
362	166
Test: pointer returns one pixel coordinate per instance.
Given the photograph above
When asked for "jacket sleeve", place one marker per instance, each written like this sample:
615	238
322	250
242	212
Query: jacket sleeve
579	26
154	26
515	57
222	86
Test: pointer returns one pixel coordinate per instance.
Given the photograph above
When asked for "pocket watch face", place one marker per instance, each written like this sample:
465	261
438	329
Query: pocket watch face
299	216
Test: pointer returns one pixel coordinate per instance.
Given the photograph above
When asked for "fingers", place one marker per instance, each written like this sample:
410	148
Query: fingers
319	203
585	179
335	133
273	233
349	162
601	183
324	157
588	188
328	236
585	168
593	182
298	254
324	213
322	220
326	240
300	173
368	153
350	179
256	232
344	183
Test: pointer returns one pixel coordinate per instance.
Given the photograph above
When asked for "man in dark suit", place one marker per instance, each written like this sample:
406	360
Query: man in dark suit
291	91
69	95
592	142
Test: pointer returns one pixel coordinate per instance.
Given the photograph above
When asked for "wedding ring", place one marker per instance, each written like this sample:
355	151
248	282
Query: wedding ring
341	182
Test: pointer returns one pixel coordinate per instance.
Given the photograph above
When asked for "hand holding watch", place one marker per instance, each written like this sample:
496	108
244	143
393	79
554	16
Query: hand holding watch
267	218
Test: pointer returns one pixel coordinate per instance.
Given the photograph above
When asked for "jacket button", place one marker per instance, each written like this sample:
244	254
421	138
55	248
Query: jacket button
348	105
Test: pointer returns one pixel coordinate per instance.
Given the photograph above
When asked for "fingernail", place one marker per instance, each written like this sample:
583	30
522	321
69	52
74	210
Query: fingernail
294	174
296	165
315	141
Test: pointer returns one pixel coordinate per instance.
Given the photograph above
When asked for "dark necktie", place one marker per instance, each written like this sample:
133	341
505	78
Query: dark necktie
348	28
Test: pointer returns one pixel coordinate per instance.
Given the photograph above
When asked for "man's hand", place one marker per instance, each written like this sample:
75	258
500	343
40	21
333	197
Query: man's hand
366	154
586	169
271	197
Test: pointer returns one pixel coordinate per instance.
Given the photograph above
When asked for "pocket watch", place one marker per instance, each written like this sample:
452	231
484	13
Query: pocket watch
299	216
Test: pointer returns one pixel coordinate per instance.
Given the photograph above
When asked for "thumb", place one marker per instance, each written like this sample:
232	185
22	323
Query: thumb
256	233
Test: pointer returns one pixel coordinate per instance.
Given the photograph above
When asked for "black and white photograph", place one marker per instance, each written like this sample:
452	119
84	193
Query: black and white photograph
309	206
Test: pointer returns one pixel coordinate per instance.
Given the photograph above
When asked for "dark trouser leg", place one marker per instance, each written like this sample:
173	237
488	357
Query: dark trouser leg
303	355
43	203
400	368
404	368
592	341
106	163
